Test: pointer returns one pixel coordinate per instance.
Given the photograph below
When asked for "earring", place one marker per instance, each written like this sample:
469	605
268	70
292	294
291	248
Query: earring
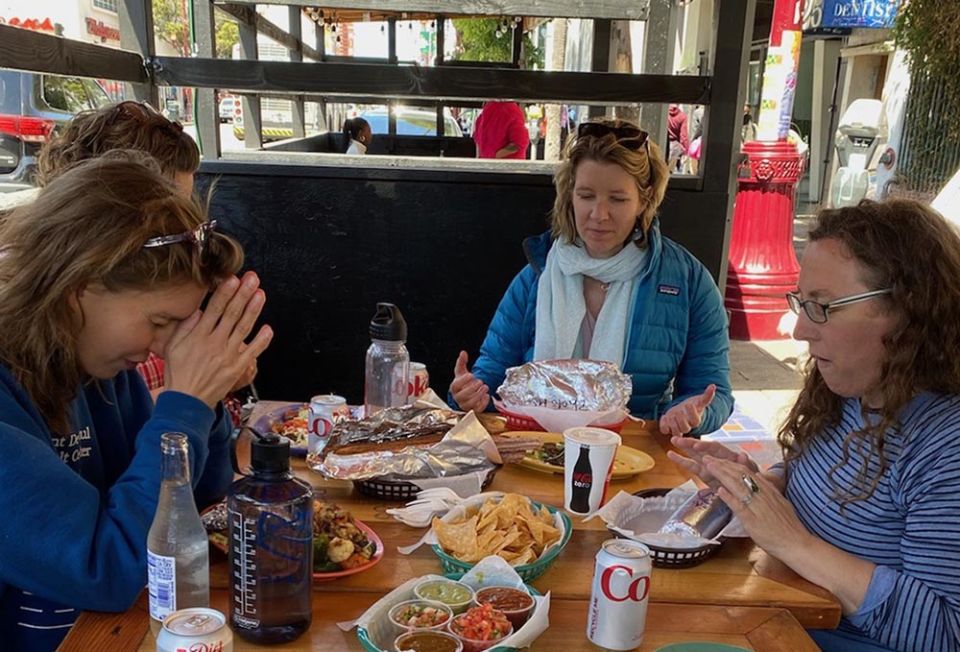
638	234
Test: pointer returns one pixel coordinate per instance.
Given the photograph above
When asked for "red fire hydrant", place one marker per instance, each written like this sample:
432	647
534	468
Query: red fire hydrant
762	263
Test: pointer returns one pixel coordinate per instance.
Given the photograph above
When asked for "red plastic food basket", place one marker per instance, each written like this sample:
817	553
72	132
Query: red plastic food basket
522	422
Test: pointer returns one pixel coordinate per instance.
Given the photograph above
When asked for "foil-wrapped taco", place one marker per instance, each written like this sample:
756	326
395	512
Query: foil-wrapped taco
587	385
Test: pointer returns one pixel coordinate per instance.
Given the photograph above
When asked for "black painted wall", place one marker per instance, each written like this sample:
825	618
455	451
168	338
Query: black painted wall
329	243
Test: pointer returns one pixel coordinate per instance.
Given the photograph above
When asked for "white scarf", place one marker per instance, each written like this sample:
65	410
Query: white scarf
561	306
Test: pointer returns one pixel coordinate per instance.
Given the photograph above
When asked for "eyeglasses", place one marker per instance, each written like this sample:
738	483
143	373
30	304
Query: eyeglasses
197	236
817	312
633	138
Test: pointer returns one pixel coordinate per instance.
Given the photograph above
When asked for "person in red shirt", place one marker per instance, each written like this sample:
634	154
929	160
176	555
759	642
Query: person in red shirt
677	137
501	131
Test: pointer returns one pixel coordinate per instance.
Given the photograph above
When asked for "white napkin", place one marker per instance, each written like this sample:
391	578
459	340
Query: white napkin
490	571
641	519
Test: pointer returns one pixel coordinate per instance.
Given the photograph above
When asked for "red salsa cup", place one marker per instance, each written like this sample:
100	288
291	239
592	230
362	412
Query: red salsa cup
480	628
427	641
515	604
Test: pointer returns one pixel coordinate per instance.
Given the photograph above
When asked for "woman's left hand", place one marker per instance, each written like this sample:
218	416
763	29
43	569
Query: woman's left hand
766	514
687	415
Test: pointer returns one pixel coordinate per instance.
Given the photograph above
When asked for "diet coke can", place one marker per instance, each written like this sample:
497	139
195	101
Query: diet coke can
419	381
618	601
195	630
325	410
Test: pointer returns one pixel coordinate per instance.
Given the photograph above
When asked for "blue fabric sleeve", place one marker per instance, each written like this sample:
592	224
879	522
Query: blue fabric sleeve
506	340
706	359
212	483
64	540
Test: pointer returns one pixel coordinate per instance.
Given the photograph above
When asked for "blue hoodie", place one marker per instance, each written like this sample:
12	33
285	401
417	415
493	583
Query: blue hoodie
677	342
76	508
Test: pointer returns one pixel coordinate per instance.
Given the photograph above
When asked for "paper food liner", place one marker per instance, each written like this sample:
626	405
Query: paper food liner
430	537
640	519
490	571
553	420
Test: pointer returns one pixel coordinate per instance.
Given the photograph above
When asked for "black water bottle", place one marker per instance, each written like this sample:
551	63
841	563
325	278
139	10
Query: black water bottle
581	482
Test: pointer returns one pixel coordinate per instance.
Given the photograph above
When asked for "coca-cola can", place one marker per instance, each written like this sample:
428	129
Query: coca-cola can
325	410
419	381
618	600
195	630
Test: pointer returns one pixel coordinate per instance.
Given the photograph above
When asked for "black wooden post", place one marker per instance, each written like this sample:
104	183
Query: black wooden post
296	54
516	46
208	116
251	103
136	34
601	56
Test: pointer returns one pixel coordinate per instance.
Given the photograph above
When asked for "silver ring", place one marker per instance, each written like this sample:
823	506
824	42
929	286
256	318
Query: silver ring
750	483
746	499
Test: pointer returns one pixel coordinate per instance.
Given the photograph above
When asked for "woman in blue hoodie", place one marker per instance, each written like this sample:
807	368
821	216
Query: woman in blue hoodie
107	265
605	284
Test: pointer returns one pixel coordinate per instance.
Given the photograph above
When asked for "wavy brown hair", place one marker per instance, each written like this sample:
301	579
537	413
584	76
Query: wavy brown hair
127	125
88	227
645	165
909	247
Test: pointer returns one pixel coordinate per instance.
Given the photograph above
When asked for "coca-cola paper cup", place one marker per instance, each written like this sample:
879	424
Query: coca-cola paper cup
587	465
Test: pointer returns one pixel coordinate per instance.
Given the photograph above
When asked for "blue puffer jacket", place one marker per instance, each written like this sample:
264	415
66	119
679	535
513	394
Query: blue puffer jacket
677	344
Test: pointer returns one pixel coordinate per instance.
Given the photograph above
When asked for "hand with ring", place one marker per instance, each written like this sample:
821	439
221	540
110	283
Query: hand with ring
765	513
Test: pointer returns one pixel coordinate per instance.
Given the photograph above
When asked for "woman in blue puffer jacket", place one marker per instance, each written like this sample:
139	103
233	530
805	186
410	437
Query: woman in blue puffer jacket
605	284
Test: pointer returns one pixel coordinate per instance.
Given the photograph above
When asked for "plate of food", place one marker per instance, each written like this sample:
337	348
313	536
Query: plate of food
342	545
549	457
290	421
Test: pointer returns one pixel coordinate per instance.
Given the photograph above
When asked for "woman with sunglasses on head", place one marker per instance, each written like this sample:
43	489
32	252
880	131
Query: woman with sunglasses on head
604	284
866	503
108	264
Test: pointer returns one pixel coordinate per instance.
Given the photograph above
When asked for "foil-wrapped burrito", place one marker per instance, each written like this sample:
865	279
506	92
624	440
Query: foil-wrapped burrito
587	385
703	515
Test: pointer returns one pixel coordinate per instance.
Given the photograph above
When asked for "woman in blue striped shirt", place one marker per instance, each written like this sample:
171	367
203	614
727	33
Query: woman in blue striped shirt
867	503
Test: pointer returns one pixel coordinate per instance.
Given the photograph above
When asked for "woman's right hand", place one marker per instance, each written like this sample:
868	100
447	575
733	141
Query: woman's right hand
468	391
695	450
208	353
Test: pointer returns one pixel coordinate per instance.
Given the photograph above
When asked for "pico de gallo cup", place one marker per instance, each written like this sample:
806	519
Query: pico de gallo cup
515	604
427	641
414	615
480	628
456	595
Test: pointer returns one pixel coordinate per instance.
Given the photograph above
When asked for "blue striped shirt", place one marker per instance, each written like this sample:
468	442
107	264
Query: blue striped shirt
909	527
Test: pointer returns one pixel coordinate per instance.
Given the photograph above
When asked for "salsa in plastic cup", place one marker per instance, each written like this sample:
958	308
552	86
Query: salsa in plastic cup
427	641
419	614
480	628
515	604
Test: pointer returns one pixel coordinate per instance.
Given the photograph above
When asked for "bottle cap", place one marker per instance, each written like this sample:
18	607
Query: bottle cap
388	324
271	454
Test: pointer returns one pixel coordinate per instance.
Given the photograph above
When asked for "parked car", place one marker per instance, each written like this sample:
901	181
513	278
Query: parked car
32	108
412	122
229	107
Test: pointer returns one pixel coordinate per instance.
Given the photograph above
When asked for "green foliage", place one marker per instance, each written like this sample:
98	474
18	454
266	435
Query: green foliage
170	23
927	31
477	40
228	34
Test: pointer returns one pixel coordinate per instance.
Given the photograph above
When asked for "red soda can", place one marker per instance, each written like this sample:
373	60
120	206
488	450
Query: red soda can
195	630
325	410
419	381
618	600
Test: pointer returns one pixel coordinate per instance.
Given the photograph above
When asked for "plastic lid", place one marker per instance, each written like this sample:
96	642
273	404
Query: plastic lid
271	454
388	324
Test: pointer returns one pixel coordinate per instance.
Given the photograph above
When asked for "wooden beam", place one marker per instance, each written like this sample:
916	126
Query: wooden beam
248	16
136	35
617	9
23	49
478	84
600	59
250	105
296	54
348	99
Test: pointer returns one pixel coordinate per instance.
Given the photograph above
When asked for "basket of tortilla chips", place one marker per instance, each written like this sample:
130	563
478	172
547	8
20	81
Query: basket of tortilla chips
525	533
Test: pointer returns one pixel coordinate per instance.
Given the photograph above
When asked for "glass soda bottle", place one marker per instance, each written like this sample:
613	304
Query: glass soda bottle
388	362
270	516
178	566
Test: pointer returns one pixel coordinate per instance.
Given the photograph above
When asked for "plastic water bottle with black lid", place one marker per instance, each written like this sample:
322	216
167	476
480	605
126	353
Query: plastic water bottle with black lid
270	520
178	562
388	362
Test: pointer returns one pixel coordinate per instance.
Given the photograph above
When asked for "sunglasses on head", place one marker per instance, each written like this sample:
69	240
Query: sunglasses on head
632	138
142	113
197	236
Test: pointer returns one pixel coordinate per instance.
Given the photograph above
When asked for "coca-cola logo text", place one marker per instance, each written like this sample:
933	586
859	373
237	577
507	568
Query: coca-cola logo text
320	427
638	590
582	479
203	647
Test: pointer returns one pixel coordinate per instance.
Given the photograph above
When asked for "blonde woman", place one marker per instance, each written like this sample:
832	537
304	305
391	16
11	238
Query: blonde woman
605	284
107	265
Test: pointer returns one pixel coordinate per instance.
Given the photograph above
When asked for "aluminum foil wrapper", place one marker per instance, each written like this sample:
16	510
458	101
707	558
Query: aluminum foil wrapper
582	385
703	515
466	448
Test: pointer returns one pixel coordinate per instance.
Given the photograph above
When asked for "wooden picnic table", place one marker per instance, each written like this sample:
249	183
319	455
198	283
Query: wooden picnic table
741	596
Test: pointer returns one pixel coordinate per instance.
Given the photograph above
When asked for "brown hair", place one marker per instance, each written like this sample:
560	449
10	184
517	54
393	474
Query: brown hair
909	247
127	125
645	165
89	227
